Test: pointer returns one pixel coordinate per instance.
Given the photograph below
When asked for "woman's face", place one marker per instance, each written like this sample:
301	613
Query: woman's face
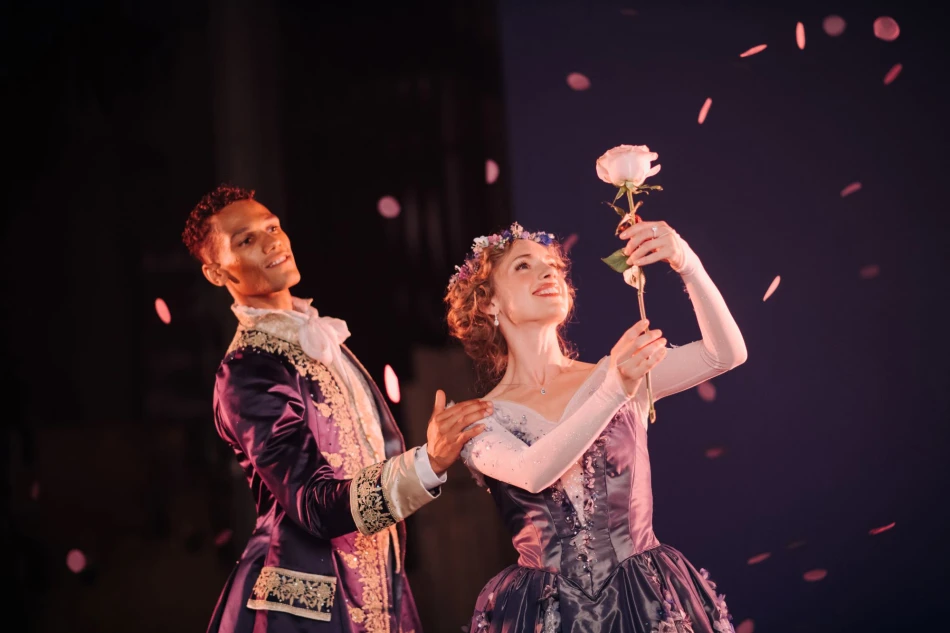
529	285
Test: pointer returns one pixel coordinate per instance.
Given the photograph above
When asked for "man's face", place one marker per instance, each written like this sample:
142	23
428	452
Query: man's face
248	252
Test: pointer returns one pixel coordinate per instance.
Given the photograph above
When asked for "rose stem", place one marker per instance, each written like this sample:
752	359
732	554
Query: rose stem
643	310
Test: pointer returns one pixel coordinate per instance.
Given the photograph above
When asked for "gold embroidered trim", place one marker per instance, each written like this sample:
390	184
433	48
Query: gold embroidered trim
307	595
372	551
304	365
334	459
334	404
368	504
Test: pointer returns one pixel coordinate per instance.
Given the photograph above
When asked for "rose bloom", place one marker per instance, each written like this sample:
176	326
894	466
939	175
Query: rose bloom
627	164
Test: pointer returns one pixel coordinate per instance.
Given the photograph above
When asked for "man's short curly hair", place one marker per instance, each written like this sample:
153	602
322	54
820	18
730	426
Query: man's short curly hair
197	228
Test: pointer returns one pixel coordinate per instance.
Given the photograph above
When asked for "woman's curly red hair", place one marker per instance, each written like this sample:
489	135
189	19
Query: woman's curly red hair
467	301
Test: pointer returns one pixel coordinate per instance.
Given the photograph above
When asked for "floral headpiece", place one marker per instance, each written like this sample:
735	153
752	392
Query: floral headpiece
497	241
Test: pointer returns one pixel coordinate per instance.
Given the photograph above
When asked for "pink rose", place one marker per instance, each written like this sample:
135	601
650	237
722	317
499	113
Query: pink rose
627	164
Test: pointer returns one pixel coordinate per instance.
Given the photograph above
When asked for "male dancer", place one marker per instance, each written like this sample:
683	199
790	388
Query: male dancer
322	454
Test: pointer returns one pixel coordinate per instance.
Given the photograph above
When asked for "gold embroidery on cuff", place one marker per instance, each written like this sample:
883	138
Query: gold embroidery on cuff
307	595
370	511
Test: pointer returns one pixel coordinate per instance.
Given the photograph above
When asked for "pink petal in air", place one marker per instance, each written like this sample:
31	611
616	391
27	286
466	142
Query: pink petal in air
870	271
222	537
568	242
704	110
578	81
392	384
714	452
707	391
163	312
773	287
754	50
629	12
886	28
746	626
883	528
388	207
491	171
834	25
852	188
893	73
758	558
76	561
800	35
815	575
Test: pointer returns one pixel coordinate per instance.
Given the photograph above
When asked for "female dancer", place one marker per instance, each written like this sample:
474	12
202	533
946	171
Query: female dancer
564	452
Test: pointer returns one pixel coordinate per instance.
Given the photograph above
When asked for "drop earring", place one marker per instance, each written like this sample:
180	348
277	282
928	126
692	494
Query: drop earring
496	320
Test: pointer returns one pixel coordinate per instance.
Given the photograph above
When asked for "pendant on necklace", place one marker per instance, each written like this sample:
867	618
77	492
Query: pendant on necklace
543	391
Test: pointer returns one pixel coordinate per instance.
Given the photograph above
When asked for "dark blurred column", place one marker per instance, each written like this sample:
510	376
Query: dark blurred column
248	152
245	97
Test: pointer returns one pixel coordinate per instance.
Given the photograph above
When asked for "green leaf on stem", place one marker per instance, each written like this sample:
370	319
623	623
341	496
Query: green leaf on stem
617	260
620	193
619	211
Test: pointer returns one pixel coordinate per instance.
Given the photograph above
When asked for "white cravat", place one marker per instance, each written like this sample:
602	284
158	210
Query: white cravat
320	338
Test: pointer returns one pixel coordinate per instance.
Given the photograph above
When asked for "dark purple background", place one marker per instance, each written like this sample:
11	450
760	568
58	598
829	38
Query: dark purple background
837	423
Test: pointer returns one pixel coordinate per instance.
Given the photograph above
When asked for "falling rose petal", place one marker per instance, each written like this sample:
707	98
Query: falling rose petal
870	271
628	12
707	391
714	452
754	50
222	537
569	242
800	35
834	25
578	81
704	110
388	207
772	288
815	575
852	188
886	28
163	312
795	544
883	528
746	626
76	561
491	171
392	384
758	558
893	73
35	491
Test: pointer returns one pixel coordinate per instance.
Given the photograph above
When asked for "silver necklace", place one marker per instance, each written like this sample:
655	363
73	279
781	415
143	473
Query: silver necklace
544	390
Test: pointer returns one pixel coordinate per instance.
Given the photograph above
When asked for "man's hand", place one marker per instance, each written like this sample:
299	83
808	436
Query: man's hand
446	434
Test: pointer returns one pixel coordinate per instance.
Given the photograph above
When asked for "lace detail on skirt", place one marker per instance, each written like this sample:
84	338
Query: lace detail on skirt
722	621
552	614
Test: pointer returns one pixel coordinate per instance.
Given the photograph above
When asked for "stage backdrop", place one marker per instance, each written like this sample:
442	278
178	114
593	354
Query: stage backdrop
837	423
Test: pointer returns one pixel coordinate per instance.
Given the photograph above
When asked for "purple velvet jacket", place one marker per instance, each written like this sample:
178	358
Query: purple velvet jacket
328	548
